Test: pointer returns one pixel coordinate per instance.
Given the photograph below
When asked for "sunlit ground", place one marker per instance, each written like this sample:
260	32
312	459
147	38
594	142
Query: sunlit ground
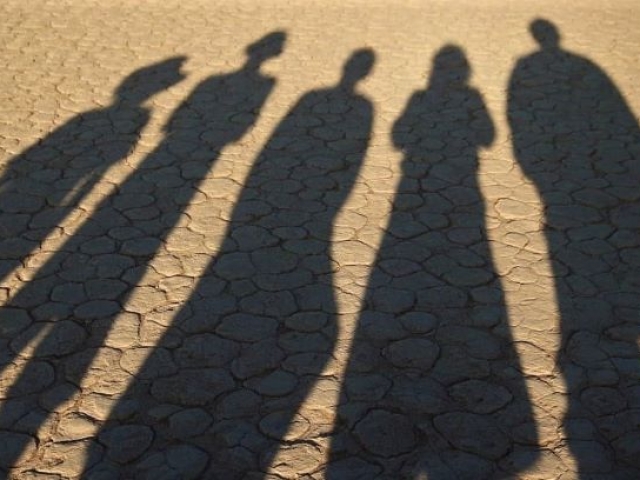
58	59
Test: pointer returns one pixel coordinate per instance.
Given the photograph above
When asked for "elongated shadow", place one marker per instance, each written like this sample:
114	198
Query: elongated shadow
261	324
44	184
577	140
75	297
433	384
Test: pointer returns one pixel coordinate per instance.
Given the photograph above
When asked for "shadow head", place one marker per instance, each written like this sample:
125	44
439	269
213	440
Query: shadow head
147	81
450	65
267	47
545	33
358	66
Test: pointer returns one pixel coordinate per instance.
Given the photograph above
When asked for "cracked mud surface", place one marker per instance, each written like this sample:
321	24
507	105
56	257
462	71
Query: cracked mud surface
300	241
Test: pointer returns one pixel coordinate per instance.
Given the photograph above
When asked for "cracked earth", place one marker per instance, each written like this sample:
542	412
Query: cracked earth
303	240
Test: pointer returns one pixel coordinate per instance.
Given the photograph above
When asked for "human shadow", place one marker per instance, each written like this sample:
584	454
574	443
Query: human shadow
75	297
433	384
577	140
260	326
41	186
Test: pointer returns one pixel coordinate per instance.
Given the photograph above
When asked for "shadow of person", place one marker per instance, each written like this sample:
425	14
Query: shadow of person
577	140
433	384
41	186
75	297
260	326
